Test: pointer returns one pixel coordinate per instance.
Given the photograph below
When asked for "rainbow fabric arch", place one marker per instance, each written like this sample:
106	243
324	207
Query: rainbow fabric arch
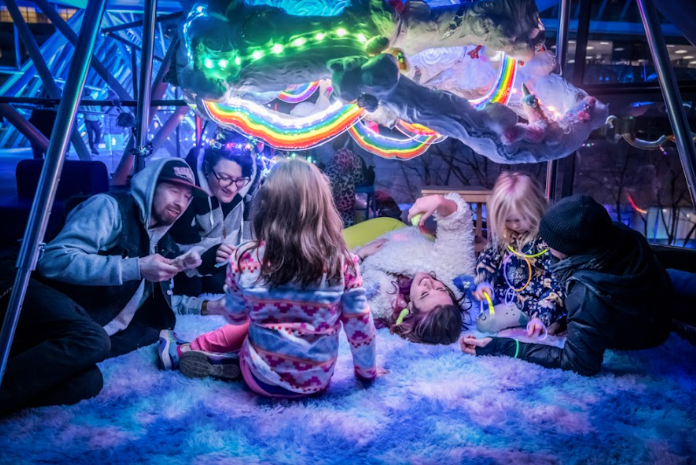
284	131
292	133
502	90
389	147
299	93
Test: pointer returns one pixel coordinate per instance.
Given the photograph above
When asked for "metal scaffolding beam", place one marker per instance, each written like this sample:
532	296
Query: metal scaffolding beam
69	34
670	92
50	174
144	90
561	52
42	68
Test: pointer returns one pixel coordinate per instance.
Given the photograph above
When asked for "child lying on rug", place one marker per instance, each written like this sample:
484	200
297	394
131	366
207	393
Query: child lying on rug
514	270
619	296
409	277
287	294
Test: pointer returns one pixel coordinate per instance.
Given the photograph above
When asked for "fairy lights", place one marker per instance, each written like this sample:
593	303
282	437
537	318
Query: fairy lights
217	62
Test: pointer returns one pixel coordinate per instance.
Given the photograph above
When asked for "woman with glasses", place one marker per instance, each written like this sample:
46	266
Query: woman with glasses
213	226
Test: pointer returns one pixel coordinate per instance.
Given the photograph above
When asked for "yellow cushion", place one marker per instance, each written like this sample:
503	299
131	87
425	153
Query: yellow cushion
362	233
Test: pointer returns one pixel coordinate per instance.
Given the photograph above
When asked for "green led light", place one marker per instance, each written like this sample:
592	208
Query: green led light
299	42
222	63
362	38
320	36
257	55
208	63
237	61
340	32
277	49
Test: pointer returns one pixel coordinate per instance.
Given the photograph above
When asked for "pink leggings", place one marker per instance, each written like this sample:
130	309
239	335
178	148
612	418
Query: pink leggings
230	338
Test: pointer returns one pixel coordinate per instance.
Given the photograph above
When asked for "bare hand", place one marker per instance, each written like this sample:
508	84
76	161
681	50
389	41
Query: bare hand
470	343
479	293
371	248
425	206
187	261
224	252
535	327
156	268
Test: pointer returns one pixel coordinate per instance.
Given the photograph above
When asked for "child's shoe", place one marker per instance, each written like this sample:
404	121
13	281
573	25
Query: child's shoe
199	364
170	350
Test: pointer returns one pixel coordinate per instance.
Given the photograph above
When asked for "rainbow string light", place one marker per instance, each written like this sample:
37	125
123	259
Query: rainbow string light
284	131
502	90
389	147
299	93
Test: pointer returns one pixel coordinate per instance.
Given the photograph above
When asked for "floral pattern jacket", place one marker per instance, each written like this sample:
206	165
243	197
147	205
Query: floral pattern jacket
536	291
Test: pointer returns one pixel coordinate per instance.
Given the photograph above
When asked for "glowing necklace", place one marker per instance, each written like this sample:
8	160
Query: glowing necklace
511	293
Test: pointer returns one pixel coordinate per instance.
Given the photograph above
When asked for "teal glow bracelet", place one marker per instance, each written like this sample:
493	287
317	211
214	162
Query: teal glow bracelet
517	348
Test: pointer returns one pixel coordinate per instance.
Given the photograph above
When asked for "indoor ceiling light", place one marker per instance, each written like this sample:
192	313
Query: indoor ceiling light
590	47
619	49
680	51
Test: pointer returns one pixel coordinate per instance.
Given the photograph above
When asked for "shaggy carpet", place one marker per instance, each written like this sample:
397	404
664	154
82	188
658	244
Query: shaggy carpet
436	405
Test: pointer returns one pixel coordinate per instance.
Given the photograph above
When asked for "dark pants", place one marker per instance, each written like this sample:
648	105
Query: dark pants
195	286
93	134
153	316
54	352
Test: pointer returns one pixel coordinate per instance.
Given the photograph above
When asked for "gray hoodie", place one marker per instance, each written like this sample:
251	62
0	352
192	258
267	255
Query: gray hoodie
95	225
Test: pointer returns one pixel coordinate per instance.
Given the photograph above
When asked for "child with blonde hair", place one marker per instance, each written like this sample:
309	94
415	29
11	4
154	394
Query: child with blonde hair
288	293
514	270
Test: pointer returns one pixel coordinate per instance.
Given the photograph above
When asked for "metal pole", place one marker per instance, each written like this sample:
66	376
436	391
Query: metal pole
561	53
69	34
127	42
44	72
24	126
173	122
568	164
18	55
178	131
97	103
562	38
159	88
159	19
144	94
134	73
50	174
670	92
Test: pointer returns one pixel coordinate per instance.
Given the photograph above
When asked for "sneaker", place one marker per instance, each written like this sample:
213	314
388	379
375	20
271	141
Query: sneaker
170	350
198	364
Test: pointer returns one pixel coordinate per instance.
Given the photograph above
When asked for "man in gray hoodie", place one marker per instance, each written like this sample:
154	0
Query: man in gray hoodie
114	261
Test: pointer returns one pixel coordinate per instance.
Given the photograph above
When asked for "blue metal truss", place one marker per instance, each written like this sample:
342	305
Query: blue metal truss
58	52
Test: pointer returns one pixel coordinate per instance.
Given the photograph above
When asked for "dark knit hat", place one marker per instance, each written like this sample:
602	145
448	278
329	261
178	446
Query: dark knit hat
576	225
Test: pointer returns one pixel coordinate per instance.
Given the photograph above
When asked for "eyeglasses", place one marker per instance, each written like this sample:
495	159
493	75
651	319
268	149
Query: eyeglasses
224	181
